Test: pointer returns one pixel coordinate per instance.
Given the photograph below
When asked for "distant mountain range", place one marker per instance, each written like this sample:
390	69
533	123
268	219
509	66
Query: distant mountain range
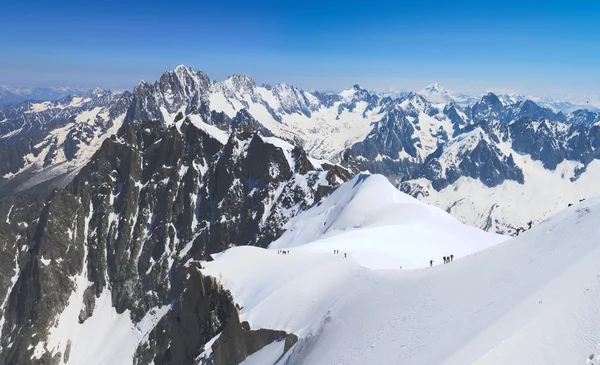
12	95
436	93
426	143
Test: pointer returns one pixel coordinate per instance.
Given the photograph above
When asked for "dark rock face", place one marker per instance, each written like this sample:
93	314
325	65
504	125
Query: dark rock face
458	118
494	169
150	200
8	261
43	284
489	108
552	143
474	154
583	117
201	312
237	342
392	135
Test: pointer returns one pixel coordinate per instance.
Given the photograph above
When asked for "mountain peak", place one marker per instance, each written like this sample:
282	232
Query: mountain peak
491	98
242	82
435	88
97	92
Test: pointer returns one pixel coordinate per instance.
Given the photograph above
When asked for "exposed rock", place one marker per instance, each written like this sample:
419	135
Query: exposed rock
237	342
199	314
148	201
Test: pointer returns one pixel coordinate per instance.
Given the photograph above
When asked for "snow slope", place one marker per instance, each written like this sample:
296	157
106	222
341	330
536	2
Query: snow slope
531	300
382	227
511	205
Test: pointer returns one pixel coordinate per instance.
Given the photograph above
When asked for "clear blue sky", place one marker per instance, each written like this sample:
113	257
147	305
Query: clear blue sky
542	47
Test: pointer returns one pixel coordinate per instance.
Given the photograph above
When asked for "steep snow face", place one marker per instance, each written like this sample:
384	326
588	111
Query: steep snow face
508	304
382	228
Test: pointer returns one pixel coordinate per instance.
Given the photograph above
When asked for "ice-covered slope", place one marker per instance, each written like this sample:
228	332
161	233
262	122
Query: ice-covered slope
531	300
382	228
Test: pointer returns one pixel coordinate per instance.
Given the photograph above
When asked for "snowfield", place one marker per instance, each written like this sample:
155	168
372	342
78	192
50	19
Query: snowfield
534	299
382	228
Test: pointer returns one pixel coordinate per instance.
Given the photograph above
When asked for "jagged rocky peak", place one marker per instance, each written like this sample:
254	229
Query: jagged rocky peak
584	117
120	237
456	114
473	153
240	83
181	84
489	108
364	95
414	104
491	99
97	92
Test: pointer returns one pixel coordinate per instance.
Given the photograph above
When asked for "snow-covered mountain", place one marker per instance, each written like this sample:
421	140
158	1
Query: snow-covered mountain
48	142
403	138
532	299
437	94
524	165
13	95
99	273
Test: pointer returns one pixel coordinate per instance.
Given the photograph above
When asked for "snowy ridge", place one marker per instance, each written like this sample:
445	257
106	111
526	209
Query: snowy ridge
380	226
506	304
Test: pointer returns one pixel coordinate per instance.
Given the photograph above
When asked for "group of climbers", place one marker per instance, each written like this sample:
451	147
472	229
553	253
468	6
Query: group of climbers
338	251
286	252
447	259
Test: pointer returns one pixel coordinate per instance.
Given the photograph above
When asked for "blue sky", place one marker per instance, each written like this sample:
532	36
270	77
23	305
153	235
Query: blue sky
543	48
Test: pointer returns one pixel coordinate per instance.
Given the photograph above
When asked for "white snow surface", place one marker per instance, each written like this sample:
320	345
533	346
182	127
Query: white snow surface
216	133
534	299
382	227
267	355
105	338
